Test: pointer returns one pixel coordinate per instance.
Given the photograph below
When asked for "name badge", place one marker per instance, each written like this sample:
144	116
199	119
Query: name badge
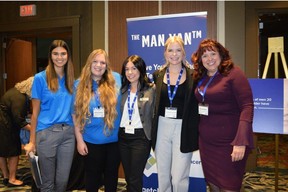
144	99
129	129
171	112
203	109
98	112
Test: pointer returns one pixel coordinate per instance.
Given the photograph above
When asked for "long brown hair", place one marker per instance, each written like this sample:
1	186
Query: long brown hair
51	74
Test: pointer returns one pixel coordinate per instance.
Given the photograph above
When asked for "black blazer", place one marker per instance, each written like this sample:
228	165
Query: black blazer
190	121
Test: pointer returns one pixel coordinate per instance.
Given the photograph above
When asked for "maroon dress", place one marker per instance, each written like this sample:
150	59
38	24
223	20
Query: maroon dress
228	123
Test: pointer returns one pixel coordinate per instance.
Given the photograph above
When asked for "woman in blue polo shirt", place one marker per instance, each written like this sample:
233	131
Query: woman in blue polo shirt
97	118
51	119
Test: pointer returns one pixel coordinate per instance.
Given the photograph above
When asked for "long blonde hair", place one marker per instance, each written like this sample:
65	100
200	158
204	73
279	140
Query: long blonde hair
107	91
25	86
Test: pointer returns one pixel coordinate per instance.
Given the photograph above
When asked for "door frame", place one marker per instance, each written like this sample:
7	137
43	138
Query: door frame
43	24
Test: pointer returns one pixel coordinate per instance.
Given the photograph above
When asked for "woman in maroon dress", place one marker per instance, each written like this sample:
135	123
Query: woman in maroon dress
226	110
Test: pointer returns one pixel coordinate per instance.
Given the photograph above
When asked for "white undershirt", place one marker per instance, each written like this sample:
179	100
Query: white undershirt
136	121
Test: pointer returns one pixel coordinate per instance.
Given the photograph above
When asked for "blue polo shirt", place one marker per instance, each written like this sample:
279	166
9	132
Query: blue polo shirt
94	128
54	106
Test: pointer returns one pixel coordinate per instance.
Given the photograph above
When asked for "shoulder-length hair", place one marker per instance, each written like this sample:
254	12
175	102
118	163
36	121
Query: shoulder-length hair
226	63
52	78
106	88
179	41
139	63
25	86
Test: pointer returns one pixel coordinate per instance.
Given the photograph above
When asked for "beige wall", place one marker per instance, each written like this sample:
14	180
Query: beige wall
98	25
235	31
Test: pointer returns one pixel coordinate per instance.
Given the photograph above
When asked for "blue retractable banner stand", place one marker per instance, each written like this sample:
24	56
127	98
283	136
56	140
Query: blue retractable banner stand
196	184
147	35
146	38
270	105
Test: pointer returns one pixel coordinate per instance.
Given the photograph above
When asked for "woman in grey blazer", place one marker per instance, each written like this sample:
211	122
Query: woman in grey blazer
137	106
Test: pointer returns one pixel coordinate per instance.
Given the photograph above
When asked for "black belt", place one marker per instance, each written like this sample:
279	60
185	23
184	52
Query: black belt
136	129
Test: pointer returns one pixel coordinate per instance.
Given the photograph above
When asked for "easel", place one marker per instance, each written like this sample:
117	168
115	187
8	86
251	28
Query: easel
276	45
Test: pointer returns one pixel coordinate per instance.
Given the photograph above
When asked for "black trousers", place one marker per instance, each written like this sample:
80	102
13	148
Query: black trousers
101	167
134	151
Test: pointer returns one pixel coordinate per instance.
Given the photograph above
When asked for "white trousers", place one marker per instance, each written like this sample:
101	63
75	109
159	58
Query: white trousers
173	166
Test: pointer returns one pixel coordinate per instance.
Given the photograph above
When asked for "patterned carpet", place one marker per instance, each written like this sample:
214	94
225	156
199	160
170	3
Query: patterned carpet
263	178
266	152
260	180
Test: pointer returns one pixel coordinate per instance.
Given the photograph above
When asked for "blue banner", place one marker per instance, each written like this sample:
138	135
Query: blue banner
270	105
147	35
146	38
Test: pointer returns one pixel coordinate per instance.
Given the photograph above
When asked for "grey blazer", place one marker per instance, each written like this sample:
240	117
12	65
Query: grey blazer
146	104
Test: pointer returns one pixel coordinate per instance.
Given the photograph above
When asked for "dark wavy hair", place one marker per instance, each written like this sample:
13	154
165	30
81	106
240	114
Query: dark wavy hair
139	63
226	63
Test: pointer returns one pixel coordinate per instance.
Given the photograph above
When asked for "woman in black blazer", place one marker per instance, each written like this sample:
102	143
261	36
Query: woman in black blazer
175	126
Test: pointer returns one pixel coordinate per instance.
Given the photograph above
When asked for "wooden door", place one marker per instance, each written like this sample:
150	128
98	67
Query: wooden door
18	61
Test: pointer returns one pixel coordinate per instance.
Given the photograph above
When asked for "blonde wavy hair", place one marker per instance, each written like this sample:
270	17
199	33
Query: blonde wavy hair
107	91
25	86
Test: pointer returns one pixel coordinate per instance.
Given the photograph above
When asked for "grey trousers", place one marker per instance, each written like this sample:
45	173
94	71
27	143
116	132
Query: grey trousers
55	149
173	166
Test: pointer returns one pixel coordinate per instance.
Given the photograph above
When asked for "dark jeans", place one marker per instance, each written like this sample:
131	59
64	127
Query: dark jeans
101	166
134	150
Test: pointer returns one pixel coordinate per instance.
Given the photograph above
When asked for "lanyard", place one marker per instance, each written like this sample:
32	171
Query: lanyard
202	93
97	98
96	93
171	97
130	110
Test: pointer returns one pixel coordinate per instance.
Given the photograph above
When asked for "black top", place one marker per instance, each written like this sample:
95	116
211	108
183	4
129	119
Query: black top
178	100
13	110
190	116
15	104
